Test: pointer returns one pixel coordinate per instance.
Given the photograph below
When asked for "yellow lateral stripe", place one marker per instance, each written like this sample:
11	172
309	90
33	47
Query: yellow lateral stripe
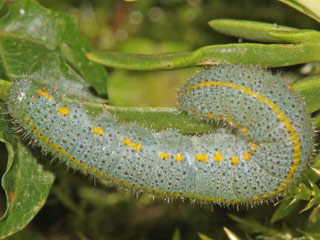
63	152
135	146
227	119
283	118
44	93
102	174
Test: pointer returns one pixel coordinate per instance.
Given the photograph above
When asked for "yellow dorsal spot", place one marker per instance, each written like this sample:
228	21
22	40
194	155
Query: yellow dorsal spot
203	158
179	157
218	157
97	130
135	146
211	115
246	156
253	145
235	160
164	156
64	110
244	130
228	120
45	94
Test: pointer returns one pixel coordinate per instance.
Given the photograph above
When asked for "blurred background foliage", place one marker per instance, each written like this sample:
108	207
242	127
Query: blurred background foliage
82	209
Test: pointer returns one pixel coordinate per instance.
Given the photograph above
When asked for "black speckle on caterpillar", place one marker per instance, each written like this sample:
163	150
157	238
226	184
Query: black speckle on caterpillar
269	150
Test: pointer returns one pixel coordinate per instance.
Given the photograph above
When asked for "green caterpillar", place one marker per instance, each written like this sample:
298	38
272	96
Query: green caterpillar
266	148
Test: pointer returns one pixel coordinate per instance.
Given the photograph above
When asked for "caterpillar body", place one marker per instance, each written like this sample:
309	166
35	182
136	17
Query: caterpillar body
268	148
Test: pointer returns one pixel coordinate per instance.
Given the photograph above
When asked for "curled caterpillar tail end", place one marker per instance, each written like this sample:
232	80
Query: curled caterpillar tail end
269	116
265	153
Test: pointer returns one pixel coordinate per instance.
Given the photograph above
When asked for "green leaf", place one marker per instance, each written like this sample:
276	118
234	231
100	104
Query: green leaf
315	200
252	226
176	234
316	161
204	237
313	222
264	32
271	55
303	192
298	36
316	171
26	234
316	121
45	45
230	234
4	89
309	88
255	31
309	236
312	203
154	118
308	7
161	118
25	182
284	209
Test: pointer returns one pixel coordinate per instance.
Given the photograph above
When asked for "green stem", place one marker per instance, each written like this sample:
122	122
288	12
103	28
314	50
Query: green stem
264	55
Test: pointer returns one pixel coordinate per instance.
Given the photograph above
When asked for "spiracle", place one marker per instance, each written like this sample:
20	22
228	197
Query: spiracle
263	146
